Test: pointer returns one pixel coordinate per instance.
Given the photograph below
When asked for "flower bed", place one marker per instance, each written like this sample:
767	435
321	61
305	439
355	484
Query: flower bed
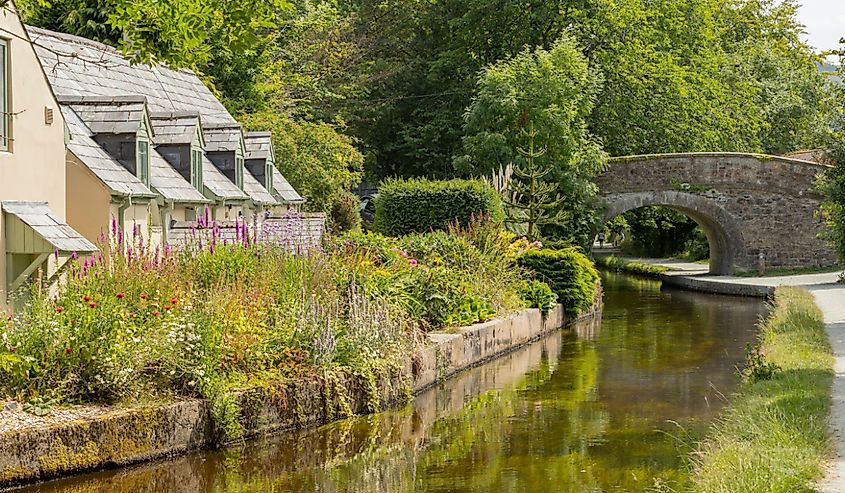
139	324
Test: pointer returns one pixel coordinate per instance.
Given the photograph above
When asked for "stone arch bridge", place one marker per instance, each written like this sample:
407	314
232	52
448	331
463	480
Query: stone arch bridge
756	210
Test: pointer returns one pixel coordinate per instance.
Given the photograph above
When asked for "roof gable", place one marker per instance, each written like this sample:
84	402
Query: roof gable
113	175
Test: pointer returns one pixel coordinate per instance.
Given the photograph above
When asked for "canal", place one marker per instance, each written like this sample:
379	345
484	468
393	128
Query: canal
605	407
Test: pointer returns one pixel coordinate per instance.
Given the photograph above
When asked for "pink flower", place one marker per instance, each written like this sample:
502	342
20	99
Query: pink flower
120	295
92	305
413	261
60	309
86	298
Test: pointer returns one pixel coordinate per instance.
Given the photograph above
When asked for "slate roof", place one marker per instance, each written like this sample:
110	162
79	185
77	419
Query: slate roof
175	128
256	191
109	115
39	217
117	178
258	145
283	190
217	183
88	68
222	138
170	184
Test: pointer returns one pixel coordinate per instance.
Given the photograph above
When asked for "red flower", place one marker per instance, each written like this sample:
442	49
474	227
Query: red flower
167	307
120	295
174	300
14	349
60	309
144	296
156	313
86	298
92	305
68	350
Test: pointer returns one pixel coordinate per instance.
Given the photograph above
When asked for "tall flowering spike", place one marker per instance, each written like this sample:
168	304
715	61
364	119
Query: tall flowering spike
56	253
167	250
120	237
74	256
206	215
114	226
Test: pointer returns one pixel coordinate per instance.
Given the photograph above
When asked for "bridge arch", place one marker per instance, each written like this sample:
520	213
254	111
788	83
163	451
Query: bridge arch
723	231
756	210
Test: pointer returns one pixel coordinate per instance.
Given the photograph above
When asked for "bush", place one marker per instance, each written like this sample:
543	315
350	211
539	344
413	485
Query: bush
346	212
421	205
570	274
538	294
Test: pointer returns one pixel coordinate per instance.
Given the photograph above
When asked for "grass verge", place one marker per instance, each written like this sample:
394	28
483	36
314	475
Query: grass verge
774	436
617	264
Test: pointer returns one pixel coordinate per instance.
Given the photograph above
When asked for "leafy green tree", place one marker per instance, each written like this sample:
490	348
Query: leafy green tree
321	163
554	90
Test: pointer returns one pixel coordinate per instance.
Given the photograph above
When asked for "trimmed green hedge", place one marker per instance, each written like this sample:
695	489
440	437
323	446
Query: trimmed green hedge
570	273
420	205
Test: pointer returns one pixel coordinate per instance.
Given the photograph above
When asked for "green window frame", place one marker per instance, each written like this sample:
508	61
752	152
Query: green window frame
5	100
268	173
196	169
142	163
239	172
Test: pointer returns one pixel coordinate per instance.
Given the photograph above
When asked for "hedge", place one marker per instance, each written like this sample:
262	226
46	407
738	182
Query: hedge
570	273
420	205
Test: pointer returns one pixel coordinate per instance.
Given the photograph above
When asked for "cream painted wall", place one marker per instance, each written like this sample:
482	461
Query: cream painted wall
88	201
34	167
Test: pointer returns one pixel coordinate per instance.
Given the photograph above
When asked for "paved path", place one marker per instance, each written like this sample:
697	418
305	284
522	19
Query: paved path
830	297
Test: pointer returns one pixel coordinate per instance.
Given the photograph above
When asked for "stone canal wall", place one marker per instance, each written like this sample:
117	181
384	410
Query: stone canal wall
117	437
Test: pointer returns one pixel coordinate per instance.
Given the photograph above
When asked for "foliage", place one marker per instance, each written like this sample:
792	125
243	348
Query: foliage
699	75
321	163
538	295
697	247
657	232
774	436
833	182
757	368
531	111
569	273
631	267
346	212
528	197
419	205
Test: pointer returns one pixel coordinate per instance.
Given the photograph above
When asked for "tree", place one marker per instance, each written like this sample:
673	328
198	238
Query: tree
554	90
319	162
833	182
532	200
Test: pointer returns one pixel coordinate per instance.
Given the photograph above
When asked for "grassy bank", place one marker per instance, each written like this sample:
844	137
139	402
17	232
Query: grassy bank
617	264
774	437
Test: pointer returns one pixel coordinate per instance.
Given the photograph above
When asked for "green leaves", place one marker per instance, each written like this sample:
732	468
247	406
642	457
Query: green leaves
420	205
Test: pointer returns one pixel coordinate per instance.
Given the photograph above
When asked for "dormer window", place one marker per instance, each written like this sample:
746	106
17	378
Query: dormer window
239	172
142	162
196	168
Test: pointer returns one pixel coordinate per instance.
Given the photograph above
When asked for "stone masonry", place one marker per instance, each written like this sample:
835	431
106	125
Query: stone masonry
758	211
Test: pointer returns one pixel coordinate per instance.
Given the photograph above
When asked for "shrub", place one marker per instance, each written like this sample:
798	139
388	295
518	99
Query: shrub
570	274
346	212
421	205
538	294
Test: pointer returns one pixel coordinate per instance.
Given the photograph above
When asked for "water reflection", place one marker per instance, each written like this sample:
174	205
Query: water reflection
564	414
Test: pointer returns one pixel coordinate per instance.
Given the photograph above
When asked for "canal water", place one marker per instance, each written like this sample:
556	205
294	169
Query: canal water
606	407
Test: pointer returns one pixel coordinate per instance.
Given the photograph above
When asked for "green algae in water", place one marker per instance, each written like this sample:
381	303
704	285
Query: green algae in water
609	408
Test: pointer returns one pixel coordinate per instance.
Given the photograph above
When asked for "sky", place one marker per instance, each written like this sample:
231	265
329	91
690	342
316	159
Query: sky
824	21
